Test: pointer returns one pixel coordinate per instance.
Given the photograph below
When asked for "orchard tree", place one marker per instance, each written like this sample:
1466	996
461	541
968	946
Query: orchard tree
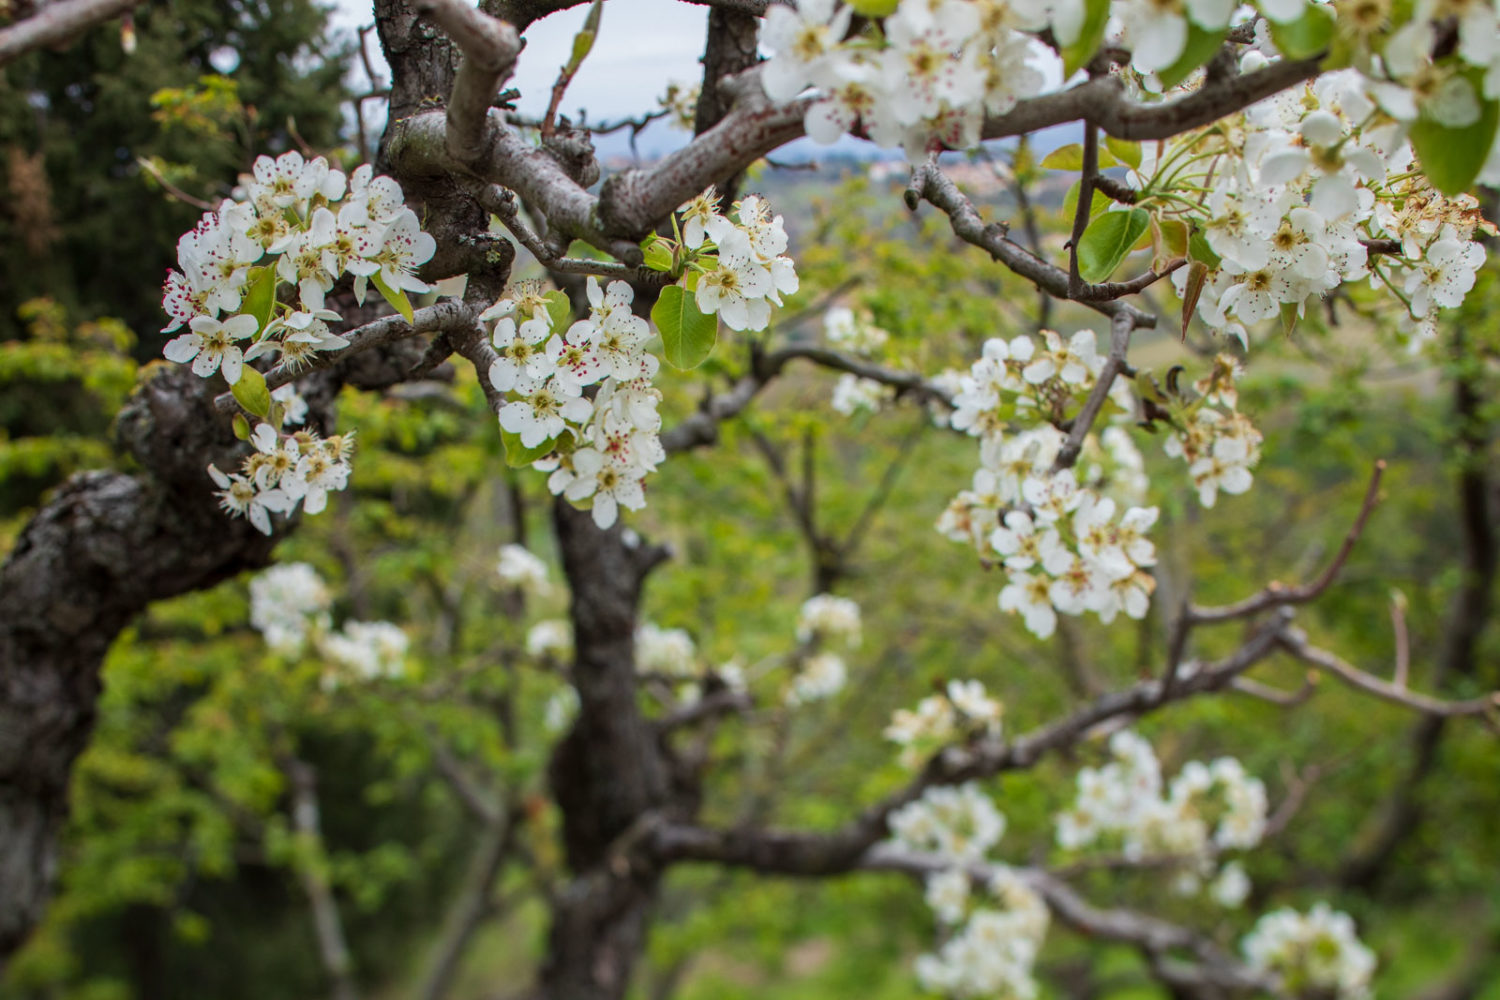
1267	164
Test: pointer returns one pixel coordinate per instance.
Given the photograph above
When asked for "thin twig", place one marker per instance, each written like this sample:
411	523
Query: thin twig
1277	594
1403	643
448	315
1294	641
1274	695
1121	325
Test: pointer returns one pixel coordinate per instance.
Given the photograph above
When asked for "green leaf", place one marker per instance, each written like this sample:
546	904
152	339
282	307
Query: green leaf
1064	158
874	8
260	294
1107	240
559	310
1199	250
1173	238
687	335
1071	158
658	254
1126	152
517	455
241	427
1077	53
583	43
395	296
1197	277
1453	157
251	391
1199	49
1099	204
1305	37
1289	317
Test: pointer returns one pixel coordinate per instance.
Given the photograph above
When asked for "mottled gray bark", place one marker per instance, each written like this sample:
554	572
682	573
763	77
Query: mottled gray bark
104	547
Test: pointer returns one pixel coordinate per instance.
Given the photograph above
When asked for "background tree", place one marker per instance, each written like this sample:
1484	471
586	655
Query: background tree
233	765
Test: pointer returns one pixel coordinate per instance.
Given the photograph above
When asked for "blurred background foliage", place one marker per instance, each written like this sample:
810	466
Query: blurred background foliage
188	872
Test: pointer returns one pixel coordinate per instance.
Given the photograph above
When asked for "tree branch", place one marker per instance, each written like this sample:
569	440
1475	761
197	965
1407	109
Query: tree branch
329	929
1153	936
56	23
490	47
837	851
447	316
932	185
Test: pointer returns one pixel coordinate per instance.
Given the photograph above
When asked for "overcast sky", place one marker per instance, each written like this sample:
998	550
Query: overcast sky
643	46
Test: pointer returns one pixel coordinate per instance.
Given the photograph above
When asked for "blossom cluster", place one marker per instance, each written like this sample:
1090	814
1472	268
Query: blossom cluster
735	265
851	393
1317	953
289	606
1296	189
854	332
669	655
829	618
680	104
1065	547
598	449
1285	198
959	823
549	639
819	673
288	603
366	650
929	77
304	224
963	711
993	948
1204	810
1219	444
295	221
520	569
669	652
283	471
935	68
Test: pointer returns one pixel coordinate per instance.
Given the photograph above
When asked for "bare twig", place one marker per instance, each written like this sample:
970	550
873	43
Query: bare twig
1084	208
171	189
502	204
1274	695
1121	325
935	187
329	929
701	428
1297	787
1294	641
475	904
1276	594
1403	643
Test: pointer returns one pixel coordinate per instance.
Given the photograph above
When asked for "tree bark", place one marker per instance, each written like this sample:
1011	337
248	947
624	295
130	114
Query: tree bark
608	772
103	548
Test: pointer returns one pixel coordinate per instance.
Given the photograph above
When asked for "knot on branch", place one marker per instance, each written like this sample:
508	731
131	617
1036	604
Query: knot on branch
573	149
620	201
